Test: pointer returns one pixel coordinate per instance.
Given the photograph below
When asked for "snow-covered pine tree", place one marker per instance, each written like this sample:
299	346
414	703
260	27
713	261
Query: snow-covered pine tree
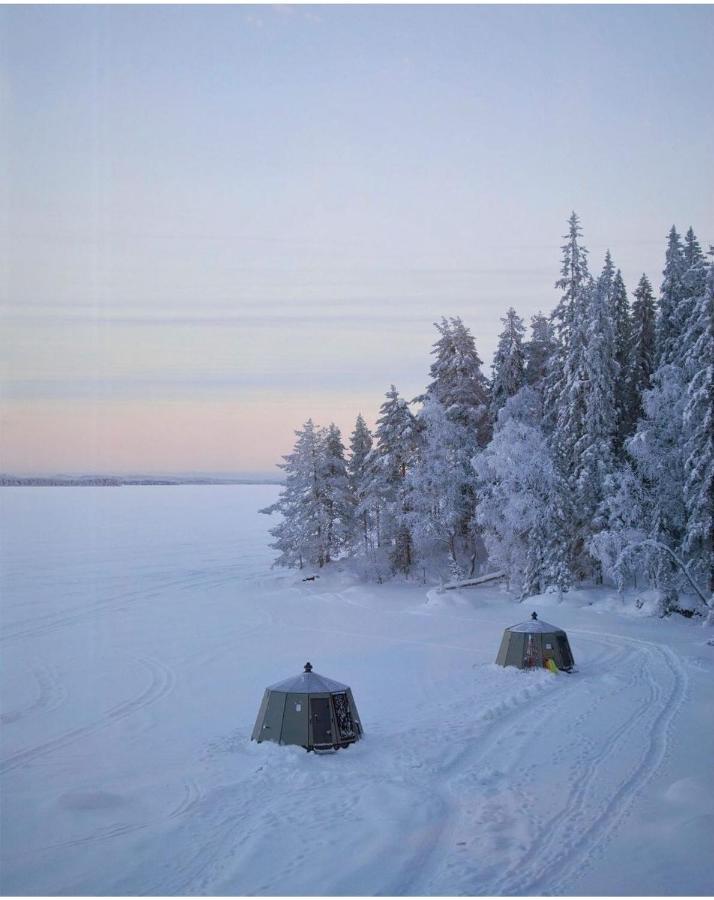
566	386
509	362
460	390
657	454
564	400
358	474
622	323
457	380
596	448
339	505
523	501
693	287
642	348
698	422
301	537
442	490
387	489
574	277
538	350
668	323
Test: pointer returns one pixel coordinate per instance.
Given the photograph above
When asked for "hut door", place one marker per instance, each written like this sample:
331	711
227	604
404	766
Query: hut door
321	720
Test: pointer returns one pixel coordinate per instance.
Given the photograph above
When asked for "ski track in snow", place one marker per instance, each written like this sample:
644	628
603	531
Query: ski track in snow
562	845
51	693
161	682
48	623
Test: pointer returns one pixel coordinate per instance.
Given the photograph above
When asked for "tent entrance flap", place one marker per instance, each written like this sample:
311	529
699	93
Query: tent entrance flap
321	720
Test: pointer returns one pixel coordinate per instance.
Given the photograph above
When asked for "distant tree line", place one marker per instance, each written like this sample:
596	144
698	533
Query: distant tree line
586	455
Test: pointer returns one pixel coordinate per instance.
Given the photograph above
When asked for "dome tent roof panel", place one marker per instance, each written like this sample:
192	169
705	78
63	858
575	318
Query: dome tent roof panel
308	683
535	626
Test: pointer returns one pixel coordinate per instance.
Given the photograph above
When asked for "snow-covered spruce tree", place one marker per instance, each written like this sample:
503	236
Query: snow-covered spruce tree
442	490
566	387
596	448
642	348
387	488
668	325
698	432
523	501
509	363
457	381
565	380
339	504
657	454
460	389
574	276
358	474
538	350
628	510
622	323
301	537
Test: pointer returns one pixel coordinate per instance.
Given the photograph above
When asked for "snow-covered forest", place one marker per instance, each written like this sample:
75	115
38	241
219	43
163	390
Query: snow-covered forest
585	457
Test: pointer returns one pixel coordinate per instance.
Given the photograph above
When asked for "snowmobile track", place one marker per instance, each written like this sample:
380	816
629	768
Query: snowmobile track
51	693
567	841
161	683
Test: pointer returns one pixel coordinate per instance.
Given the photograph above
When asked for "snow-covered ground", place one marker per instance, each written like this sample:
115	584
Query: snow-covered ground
139	629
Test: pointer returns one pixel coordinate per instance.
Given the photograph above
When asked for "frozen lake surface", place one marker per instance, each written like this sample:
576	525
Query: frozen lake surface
140	626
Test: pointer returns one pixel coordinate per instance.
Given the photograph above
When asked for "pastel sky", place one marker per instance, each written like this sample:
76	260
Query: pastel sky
218	221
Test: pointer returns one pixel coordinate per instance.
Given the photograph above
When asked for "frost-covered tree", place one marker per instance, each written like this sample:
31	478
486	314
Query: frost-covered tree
523	500
574	278
565	381
339	505
457	381
442	493
629	509
668	324
387	488
596	448
698	431
301	536
539	350
622	325
642	351
457	396
657	454
358	474
509	364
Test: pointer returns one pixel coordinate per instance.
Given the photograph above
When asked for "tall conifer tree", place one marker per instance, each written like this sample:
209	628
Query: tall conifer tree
509	365
642	350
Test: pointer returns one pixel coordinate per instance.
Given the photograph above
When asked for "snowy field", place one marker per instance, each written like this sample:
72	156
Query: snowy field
139	629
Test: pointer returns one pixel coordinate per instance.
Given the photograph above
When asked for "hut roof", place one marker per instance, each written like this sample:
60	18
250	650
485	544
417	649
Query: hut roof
535	626
308	683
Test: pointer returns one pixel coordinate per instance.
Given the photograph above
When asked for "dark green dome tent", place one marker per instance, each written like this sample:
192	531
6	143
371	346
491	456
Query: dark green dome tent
309	710
532	644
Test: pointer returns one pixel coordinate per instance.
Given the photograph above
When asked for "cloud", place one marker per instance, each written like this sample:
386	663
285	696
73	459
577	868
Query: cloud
185	386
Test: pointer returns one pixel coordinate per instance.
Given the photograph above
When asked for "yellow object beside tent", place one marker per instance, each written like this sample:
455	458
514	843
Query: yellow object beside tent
550	665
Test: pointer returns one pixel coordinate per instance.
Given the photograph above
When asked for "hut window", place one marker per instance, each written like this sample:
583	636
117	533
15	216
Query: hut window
298	707
548	646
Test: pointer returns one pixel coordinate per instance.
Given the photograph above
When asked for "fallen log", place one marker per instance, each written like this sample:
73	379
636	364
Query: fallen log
474	582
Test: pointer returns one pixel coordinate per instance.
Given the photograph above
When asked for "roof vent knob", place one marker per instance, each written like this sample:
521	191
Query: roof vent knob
534	616
308	667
